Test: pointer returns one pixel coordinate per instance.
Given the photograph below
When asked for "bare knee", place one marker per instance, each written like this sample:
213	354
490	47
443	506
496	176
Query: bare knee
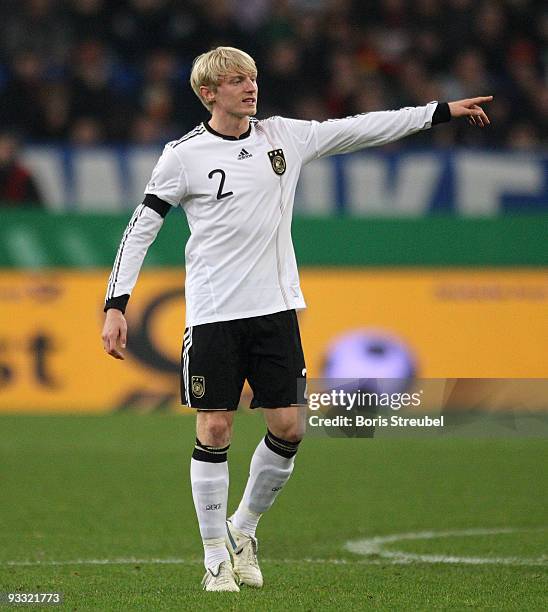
291	434
286	423
214	428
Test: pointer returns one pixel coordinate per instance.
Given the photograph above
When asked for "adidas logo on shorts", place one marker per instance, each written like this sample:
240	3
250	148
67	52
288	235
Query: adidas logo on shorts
244	154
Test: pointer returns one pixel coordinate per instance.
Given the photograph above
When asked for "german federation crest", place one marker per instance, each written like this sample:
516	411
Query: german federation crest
198	386
277	159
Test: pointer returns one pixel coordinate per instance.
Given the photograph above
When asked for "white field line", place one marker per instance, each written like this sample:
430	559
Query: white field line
182	561
376	547
368	547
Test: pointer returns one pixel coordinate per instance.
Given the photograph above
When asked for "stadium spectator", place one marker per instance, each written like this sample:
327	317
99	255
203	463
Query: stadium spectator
25	81
17	187
40	26
86	131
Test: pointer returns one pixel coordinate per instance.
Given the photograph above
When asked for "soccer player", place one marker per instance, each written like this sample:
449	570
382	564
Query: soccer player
235	178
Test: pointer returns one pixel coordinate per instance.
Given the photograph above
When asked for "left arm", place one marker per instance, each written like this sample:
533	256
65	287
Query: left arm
315	140
369	129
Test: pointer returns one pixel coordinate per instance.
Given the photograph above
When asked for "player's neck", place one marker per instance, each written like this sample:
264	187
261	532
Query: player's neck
229	125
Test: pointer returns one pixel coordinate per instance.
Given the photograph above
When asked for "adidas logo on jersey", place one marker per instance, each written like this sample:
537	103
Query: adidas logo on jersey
244	154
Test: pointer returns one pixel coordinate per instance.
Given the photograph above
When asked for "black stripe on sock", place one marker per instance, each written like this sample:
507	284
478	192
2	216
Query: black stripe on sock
210	454
281	447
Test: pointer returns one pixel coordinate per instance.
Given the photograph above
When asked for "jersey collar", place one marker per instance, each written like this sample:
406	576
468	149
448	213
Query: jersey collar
215	133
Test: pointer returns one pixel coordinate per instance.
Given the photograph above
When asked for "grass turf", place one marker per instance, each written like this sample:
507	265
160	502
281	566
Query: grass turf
117	487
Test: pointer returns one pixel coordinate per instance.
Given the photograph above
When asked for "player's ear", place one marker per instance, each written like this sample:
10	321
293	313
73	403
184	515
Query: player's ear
208	95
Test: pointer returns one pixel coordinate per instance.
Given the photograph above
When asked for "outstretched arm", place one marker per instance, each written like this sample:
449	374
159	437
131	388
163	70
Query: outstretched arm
334	136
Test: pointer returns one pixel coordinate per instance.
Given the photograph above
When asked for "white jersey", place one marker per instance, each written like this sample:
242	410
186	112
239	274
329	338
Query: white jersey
238	196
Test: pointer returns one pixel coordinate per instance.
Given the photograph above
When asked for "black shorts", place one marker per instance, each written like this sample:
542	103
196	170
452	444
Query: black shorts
217	358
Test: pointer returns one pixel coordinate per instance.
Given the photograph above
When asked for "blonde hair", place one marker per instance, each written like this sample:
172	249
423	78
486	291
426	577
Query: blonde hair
209	67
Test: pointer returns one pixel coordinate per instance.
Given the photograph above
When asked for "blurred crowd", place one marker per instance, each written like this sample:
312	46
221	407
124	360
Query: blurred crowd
98	71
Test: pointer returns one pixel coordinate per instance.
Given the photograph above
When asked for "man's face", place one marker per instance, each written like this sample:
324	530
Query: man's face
237	95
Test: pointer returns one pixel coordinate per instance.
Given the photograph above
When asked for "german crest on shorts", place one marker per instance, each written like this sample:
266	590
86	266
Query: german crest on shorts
277	159
198	386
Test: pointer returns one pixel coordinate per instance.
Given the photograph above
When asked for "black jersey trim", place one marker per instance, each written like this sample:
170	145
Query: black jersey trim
158	205
442	114
197	131
119	303
223	136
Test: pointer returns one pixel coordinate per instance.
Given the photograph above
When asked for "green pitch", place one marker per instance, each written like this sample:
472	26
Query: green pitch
100	509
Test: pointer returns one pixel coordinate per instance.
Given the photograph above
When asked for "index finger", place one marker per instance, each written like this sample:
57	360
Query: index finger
481	99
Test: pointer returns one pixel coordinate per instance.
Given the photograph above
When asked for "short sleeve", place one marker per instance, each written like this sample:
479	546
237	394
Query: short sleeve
168	178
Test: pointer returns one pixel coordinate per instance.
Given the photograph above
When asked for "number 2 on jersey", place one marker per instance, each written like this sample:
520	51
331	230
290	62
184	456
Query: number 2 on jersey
220	194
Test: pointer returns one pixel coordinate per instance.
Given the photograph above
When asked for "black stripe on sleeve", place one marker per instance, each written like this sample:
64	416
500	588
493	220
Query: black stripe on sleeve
442	114
116	269
154	202
119	302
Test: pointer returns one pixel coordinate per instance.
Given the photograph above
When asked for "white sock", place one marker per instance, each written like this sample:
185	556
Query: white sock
268	473
215	552
210	493
245	520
